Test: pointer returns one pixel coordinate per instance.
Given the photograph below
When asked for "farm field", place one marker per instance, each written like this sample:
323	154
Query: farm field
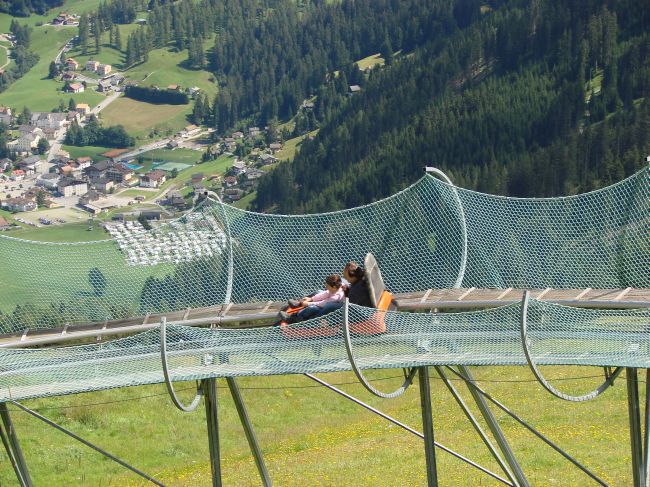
143	120
311	436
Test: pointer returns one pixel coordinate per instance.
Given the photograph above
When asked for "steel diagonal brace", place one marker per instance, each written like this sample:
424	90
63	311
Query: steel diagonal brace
170	388
357	371
540	377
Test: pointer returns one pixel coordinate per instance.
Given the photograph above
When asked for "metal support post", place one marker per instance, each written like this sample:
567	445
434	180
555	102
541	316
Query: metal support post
250	433
10	455
209	387
475	424
634	412
16	453
427	426
500	438
646	431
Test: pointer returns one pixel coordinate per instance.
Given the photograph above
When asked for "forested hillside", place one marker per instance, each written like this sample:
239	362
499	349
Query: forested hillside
527	98
22	8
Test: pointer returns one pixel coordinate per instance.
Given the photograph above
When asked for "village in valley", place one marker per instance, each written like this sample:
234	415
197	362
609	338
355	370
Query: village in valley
46	180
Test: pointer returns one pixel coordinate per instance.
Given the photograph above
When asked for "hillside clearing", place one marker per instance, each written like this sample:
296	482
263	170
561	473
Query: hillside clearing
142	119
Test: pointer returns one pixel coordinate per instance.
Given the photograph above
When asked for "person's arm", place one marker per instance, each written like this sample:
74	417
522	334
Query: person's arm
318	297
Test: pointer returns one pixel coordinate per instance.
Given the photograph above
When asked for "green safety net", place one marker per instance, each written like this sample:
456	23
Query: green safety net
431	235
558	335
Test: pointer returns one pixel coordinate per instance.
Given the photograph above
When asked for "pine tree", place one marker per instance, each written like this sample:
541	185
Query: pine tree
118	38
84	32
97	33
53	71
198	112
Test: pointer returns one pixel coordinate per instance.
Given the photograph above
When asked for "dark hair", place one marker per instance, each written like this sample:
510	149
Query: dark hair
333	280
355	270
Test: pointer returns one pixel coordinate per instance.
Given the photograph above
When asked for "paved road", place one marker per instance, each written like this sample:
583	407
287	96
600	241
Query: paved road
159	144
104	103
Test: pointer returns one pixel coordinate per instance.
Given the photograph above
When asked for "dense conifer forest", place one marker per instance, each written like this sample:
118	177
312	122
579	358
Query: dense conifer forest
507	103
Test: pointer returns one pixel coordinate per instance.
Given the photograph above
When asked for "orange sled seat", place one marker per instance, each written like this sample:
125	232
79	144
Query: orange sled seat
372	326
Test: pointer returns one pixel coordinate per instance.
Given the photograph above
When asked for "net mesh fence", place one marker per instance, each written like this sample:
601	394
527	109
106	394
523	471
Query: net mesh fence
219	254
431	235
558	335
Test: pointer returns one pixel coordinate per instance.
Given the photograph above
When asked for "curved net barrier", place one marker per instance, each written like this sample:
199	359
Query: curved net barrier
431	235
559	335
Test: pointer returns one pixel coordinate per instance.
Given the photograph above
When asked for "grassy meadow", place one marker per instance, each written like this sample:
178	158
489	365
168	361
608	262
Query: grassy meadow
70	232
166	66
144	120
311	436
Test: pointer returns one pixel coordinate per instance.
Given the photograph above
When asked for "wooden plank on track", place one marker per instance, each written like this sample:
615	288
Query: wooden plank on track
466	293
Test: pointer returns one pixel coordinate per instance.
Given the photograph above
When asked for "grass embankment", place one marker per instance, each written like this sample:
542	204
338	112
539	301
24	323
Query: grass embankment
311	436
143	120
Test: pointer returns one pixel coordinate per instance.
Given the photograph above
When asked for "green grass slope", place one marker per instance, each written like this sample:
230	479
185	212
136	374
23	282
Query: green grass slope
311	436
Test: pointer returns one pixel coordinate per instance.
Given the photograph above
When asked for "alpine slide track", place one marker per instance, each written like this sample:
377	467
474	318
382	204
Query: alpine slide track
474	280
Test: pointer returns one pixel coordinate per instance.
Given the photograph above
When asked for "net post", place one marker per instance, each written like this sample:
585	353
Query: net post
463	222
427	426
11	444
249	431
634	412
209	387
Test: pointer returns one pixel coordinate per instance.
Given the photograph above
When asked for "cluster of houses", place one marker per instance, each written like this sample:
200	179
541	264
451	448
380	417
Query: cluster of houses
109	80
42	125
65	19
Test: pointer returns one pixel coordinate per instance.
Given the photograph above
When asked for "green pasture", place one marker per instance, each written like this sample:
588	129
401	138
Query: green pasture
291	146
58	272
371	62
69	232
35	90
90	150
3	57
311	436
71	6
183	156
246	201
143	120
166	66
107	54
